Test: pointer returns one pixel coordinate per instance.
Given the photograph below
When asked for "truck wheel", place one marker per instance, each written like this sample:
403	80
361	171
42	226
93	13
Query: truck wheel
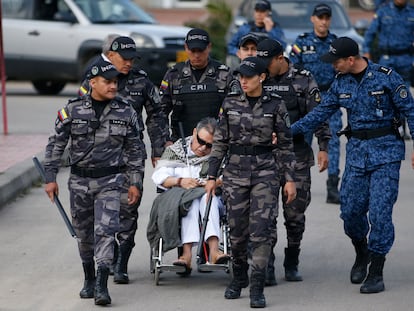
48	87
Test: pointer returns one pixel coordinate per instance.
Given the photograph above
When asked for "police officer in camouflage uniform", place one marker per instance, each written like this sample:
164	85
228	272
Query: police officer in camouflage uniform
306	51
105	142
134	86
374	97
300	93
245	131
194	89
393	28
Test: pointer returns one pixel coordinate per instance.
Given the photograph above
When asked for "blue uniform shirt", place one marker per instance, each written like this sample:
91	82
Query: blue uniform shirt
276	33
307	50
370	104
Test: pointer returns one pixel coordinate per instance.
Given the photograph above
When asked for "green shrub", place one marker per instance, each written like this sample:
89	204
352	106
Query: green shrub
218	20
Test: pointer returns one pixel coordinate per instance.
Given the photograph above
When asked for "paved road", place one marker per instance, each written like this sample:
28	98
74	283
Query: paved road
40	268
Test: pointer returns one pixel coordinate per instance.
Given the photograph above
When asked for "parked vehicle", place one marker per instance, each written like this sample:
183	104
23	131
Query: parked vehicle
294	18
50	42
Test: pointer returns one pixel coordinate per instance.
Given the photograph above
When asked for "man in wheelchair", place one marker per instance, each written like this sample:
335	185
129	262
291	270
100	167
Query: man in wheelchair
182	171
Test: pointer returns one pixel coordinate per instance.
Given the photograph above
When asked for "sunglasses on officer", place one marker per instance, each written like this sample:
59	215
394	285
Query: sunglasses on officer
203	142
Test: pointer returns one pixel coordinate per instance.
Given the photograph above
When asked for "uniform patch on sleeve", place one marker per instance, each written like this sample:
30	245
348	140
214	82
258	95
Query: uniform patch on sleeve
83	90
402	91
296	49
62	115
287	120
316	94
164	85
220	115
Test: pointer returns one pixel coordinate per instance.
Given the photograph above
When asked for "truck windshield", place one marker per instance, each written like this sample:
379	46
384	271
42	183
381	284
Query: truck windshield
114	12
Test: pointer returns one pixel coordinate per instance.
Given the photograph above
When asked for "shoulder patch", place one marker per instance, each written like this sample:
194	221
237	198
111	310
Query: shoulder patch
316	94
164	85
62	114
303	35
223	67
385	70
402	91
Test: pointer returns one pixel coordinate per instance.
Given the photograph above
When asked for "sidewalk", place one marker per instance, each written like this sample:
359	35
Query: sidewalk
17	172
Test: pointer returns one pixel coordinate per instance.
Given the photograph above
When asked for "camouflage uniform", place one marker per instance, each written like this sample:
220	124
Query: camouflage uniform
100	150
140	92
301	94
374	152
306	51
190	100
250	186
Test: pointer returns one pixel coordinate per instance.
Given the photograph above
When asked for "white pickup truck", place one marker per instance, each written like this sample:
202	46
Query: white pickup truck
49	42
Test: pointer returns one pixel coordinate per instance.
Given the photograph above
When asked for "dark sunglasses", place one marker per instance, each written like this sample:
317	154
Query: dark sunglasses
203	142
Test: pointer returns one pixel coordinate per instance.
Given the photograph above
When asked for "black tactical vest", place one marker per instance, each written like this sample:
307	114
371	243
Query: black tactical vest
196	100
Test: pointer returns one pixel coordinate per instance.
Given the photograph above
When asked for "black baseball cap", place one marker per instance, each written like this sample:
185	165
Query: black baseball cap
262	5
268	48
340	48
197	39
321	9
248	37
125	46
102	68
251	66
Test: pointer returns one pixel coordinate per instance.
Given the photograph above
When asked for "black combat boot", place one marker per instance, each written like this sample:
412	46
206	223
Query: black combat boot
89	284
332	189
257	298
101	288
359	269
291	264
240	280
374	282
121	266
270	278
115	259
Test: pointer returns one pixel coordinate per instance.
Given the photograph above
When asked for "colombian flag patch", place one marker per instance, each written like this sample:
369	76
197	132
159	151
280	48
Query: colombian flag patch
164	84
296	49
62	115
82	91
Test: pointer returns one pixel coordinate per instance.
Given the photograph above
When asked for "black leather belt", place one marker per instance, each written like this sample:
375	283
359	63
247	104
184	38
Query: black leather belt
249	150
96	172
368	134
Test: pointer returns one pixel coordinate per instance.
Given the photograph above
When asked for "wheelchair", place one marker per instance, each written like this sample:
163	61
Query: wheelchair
158	263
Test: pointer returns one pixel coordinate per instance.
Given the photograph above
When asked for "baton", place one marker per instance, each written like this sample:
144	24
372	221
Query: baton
59	206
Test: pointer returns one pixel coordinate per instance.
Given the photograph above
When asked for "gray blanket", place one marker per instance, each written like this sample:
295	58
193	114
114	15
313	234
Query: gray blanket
164	221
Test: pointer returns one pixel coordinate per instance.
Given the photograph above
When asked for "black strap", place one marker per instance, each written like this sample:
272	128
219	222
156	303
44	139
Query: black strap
96	172
249	150
369	134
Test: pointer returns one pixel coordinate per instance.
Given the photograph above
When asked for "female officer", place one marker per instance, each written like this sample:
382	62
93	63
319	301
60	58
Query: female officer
250	124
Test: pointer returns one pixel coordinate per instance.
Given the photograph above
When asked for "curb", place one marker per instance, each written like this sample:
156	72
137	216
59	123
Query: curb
18	179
